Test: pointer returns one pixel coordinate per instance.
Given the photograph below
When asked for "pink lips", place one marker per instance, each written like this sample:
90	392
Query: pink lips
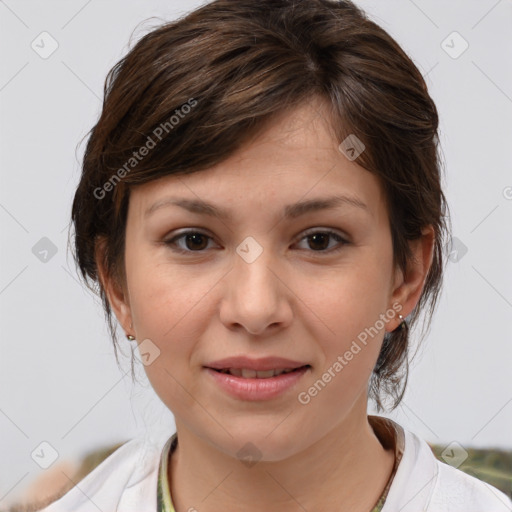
256	388
264	363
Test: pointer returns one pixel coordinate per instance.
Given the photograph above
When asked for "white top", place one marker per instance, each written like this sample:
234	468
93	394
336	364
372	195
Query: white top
126	481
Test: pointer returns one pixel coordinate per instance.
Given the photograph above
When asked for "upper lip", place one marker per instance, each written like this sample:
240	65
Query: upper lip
262	364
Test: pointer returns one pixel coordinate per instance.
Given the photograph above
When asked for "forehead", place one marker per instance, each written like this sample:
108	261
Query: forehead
295	156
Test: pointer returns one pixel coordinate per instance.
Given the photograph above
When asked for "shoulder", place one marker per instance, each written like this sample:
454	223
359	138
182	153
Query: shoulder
457	491
423	483
125	478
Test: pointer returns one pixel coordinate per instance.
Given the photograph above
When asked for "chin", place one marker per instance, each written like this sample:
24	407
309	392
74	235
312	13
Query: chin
251	444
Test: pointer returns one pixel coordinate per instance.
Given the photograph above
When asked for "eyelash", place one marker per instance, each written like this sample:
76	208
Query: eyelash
172	242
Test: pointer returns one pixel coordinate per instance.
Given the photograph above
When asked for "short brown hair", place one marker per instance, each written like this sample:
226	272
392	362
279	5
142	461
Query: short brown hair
239	63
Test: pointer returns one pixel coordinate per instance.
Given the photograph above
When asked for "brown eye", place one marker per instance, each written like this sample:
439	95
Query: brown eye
318	241
193	241
196	241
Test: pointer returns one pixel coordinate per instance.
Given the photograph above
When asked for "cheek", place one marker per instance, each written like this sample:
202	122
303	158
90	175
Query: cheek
167	308
171	306
345	312
349	341
349	299
162	295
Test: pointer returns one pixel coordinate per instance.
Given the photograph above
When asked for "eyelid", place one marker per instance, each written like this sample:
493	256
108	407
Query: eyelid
182	233
324	230
343	239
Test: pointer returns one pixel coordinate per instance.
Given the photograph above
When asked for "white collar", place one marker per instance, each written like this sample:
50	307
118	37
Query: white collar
127	481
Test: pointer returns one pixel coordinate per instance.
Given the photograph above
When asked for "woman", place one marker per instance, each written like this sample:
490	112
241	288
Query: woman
260	206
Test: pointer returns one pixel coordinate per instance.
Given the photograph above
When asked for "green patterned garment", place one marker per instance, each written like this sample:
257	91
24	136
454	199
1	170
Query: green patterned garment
388	436
163	496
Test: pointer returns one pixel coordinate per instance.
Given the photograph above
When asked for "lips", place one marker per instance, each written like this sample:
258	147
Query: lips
247	373
257	389
251	368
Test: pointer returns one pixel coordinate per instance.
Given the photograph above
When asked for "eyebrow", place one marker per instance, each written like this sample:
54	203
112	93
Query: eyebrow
291	211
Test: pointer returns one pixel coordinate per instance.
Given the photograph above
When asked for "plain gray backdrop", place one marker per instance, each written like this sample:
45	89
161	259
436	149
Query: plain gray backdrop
59	383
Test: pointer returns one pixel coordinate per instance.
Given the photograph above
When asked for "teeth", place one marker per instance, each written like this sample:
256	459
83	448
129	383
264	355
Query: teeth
263	374
251	374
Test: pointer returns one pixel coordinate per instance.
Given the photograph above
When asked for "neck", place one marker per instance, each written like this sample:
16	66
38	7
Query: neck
346	470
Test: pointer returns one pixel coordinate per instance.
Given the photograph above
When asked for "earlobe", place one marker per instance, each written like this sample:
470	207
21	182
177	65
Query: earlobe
117	297
410	283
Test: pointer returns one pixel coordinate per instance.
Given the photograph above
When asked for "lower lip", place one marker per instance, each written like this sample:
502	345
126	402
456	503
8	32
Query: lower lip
257	389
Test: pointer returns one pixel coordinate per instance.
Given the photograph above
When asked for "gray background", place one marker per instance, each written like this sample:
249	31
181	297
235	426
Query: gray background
59	382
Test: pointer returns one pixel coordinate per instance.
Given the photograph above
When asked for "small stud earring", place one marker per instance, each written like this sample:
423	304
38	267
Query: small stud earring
129	336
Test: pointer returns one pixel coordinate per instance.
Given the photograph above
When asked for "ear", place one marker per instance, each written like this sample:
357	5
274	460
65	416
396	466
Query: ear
117	294
407	287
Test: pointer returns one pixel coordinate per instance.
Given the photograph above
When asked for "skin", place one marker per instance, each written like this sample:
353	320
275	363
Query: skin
299	299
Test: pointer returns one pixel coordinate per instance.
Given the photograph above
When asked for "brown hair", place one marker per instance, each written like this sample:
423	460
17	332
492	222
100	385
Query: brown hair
200	86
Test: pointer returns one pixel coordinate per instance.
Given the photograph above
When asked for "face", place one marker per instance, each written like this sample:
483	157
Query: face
265	280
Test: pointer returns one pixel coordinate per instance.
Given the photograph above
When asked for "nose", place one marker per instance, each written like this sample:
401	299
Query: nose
256	296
